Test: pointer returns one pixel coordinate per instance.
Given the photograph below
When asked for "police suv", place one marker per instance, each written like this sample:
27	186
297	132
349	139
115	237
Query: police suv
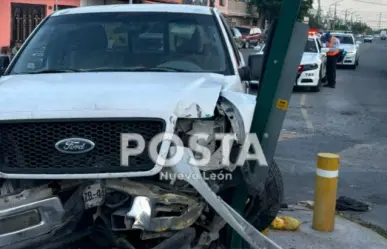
312	69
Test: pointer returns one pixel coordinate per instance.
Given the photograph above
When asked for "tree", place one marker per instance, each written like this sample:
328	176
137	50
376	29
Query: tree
360	28
314	22
269	9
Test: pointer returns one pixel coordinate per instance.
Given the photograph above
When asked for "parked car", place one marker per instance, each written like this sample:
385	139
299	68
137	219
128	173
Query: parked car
312	69
237	37
251	35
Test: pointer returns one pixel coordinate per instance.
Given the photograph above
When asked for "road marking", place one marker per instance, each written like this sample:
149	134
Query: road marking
304	113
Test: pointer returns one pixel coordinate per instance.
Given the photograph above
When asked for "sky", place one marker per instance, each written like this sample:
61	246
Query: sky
367	12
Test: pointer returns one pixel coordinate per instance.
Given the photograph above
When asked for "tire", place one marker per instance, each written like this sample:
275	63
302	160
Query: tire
265	206
318	87
353	67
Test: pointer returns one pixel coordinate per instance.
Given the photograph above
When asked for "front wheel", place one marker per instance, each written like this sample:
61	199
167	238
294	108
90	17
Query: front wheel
265	205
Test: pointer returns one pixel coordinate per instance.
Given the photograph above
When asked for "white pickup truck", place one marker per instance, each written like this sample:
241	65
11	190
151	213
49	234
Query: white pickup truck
107	71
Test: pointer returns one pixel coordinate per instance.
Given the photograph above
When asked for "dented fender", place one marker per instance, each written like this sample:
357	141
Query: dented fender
239	108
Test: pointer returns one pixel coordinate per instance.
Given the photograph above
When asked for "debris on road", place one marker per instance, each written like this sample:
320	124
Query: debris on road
349	204
285	223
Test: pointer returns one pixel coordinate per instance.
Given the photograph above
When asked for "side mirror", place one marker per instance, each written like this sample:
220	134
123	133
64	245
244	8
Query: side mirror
324	50
255	64
244	73
358	42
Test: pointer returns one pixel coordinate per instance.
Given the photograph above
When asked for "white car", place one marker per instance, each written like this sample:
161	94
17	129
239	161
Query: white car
312	69
113	72
351	46
368	38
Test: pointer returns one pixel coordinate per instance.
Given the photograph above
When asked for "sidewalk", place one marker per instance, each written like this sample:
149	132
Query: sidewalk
347	234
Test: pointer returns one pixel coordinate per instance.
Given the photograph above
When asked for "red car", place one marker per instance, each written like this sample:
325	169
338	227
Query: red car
251	35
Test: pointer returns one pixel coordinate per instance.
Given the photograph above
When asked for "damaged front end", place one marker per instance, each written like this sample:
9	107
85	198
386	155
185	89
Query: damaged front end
132	212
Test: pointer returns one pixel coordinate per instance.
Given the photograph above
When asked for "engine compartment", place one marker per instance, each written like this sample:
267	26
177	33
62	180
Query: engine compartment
116	213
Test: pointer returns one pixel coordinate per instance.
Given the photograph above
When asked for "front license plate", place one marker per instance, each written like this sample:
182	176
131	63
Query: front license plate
93	195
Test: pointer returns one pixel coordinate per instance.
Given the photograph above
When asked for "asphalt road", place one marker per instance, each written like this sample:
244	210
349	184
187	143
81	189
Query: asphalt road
350	120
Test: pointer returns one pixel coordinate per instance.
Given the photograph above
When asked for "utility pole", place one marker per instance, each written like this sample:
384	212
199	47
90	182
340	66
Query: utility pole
335	13
319	11
334	18
345	16
380	21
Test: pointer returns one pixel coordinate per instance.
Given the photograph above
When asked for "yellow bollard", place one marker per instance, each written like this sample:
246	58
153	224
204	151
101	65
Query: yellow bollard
325	192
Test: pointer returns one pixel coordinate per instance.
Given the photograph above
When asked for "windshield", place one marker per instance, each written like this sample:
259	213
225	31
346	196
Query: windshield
310	46
345	39
123	41
244	31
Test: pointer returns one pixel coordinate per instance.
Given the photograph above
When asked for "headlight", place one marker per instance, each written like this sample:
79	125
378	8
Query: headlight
308	67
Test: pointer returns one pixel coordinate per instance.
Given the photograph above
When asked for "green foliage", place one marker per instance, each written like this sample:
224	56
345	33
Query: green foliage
271	8
360	28
341	27
314	22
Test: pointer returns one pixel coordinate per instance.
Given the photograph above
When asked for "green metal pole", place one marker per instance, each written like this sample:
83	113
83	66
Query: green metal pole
269	84
268	88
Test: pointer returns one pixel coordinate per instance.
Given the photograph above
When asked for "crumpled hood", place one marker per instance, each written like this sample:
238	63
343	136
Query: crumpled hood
309	58
73	95
348	47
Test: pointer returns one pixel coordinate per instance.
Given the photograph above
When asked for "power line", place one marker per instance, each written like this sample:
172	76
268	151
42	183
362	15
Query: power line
356	11
363	1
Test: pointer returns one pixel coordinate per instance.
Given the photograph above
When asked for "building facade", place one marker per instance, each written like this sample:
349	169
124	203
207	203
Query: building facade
241	13
19	17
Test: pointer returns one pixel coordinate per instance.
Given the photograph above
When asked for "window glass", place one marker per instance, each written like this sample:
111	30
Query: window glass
118	41
345	39
311	46
244	31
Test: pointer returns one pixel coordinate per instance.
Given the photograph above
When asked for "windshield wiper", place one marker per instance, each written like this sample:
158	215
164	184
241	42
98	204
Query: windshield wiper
137	69
56	71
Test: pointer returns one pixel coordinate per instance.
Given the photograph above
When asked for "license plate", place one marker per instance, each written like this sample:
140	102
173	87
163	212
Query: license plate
93	195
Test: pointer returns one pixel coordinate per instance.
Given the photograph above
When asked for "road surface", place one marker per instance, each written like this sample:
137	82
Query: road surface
350	120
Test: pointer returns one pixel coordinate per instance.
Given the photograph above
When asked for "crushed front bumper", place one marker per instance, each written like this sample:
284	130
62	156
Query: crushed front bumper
29	217
192	175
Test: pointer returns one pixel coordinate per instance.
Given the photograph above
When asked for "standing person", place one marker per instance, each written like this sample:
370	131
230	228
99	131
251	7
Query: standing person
333	44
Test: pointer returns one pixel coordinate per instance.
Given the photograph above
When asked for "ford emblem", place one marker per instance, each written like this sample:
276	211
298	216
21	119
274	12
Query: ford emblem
74	145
